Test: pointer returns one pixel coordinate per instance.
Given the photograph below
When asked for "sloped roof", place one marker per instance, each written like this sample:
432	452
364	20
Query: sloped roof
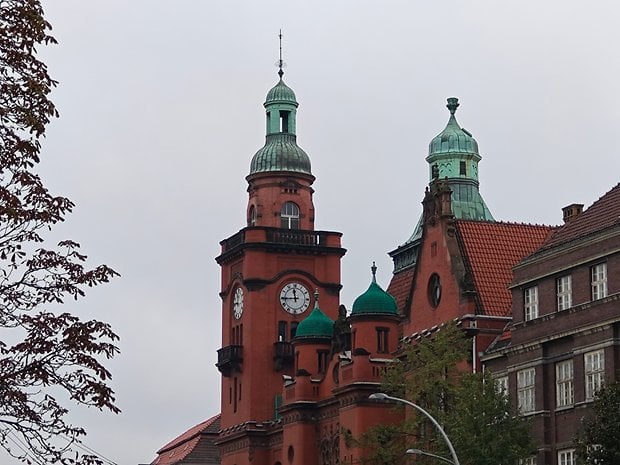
491	249
400	286
198	441
602	214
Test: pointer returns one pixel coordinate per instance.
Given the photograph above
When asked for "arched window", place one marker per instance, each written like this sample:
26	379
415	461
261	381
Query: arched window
289	216
252	216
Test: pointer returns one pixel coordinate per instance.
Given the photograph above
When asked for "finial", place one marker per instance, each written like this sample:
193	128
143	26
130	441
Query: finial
280	62
373	268
453	104
316	297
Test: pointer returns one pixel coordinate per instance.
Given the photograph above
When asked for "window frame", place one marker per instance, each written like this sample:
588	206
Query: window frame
567	457
530	303
383	338
598	281
594	376
289	215
564	294
564	383
526	390
501	384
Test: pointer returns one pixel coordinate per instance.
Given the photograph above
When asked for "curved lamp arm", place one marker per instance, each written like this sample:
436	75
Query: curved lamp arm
383	396
421	452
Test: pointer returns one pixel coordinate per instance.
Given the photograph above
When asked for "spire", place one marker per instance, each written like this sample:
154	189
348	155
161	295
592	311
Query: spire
373	269
280	62
281	152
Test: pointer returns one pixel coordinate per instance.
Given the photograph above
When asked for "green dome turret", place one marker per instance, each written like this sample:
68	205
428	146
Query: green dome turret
281	93
281	152
315	325
375	300
453	139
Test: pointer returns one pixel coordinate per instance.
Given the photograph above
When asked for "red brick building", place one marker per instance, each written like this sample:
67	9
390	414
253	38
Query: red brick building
563	343
296	369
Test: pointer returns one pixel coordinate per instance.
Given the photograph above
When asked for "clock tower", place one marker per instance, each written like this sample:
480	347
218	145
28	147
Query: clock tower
271	270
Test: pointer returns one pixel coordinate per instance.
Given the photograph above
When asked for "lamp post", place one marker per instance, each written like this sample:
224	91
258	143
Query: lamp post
383	396
421	452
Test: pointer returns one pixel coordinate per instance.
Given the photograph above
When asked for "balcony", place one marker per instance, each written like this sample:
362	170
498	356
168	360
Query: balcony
283	355
229	359
274	238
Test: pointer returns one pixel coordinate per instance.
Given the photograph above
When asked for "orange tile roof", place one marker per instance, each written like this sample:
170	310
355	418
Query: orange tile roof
400	286
602	214
180	447
491	249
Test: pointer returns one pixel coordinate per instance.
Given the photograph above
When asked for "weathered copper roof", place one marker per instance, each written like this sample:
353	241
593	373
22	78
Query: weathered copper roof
196	444
602	214
491	250
317	324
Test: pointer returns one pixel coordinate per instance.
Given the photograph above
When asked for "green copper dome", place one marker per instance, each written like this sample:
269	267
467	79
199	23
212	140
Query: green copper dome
281	152
317	324
453	139
281	93
375	300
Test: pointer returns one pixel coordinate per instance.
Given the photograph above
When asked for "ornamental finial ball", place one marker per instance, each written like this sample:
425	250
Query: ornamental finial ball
453	104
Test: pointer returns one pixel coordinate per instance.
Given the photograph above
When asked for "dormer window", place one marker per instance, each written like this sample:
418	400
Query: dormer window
289	216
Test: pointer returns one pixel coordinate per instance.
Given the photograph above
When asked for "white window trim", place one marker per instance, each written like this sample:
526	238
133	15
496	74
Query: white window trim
564	385
594	372
526	390
530	303
563	287
567	457
598	280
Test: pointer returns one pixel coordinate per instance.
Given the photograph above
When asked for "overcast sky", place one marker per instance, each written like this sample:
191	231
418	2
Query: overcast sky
161	112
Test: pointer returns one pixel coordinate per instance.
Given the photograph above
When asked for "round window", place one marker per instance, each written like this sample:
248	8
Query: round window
434	290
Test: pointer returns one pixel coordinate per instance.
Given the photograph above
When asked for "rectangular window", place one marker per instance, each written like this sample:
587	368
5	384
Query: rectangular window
598	275
564	292
564	392
528	461
282	331
463	168
382	340
594	367
526	380
530	303
526	390
501	383
323	360
567	457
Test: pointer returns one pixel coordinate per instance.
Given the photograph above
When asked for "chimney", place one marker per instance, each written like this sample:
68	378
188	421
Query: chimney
572	211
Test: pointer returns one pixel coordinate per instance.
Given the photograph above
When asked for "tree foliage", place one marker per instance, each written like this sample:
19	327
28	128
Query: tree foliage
479	420
598	442
45	354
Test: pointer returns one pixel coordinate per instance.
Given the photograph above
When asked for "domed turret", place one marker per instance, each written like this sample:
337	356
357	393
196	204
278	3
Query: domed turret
315	325
453	139
281	93
375	300
281	152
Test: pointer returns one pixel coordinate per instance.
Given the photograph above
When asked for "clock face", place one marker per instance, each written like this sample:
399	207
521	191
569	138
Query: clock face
295	298
238	303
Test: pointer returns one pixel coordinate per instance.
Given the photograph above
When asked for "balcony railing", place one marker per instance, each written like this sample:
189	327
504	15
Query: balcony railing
283	354
298	237
229	359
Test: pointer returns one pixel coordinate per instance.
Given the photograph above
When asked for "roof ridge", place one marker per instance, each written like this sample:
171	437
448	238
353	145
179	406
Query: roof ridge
509	223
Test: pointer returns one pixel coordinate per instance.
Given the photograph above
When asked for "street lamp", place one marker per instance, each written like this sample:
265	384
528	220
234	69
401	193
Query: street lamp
421	452
383	396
